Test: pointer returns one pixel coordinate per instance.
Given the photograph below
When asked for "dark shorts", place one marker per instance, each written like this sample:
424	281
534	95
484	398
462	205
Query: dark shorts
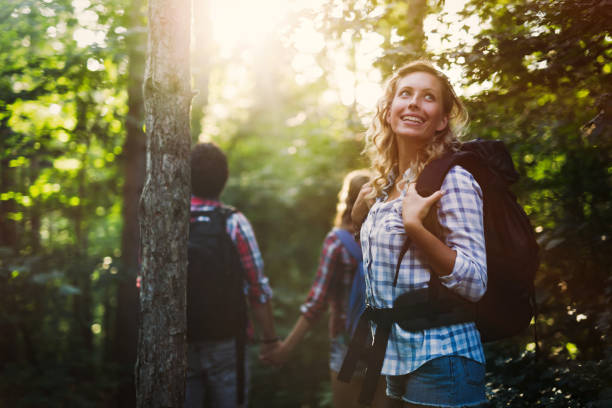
450	381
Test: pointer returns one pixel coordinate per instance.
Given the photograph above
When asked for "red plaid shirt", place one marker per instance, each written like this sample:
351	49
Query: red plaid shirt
332	283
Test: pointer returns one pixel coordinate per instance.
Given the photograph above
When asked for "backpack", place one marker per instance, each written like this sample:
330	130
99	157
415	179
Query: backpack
508	304
216	307
356	299
512	261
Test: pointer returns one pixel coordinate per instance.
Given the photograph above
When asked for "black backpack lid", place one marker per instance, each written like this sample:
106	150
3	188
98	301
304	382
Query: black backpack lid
487	160
497	157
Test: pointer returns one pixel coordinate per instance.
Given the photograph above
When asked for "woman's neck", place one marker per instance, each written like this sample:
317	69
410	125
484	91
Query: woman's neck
407	155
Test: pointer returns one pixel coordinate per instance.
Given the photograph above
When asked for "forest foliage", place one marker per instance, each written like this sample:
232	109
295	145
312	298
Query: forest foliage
540	74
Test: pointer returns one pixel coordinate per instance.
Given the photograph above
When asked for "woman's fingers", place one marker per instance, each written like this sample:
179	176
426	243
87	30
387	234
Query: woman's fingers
435	197
415	207
429	199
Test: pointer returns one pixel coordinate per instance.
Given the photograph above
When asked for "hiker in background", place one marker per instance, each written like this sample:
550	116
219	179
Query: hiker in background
418	119
225	267
332	286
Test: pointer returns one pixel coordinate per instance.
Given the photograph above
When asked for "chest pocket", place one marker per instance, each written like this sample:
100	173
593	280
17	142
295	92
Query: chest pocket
391	218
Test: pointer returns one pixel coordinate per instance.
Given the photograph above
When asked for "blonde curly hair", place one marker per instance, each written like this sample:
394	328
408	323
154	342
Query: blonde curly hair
381	143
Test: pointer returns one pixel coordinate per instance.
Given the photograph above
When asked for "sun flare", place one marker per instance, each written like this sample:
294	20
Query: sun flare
237	24
242	31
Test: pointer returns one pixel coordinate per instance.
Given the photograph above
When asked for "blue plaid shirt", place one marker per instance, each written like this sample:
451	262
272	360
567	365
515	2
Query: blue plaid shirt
382	235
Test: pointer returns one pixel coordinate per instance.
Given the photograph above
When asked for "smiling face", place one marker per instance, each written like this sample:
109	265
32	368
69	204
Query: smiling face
416	112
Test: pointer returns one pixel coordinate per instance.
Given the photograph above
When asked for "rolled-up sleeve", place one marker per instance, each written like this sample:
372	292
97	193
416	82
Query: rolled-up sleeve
330	265
460	213
257	285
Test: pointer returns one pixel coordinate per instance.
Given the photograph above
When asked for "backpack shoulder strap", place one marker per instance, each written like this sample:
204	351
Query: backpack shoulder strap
432	176
226	210
223	211
349	243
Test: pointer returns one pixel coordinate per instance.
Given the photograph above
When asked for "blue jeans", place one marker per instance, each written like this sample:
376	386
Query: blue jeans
211	375
449	381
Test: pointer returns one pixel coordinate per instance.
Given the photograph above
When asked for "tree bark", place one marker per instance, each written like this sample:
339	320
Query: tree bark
164	205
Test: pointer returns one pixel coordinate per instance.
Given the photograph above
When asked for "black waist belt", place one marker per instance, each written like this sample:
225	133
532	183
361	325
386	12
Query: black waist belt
413	311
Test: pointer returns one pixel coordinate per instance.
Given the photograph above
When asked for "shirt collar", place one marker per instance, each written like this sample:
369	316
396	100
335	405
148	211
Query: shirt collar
408	176
199	201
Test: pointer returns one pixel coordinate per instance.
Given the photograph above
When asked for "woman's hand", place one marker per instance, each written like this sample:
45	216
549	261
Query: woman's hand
362	205
415	207
276	355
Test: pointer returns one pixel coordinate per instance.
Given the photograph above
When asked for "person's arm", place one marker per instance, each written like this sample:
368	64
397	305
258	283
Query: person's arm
460	261
281	354
316	302
257	285
258	288
326	278
262	313
362	206
414	209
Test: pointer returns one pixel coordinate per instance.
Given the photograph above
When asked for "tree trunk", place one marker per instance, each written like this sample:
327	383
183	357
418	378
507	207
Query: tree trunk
412	45
83	307
79	273
164	205
126	321
8	227
415	38
35	210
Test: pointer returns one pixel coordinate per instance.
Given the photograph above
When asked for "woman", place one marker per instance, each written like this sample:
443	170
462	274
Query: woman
417	120
331	287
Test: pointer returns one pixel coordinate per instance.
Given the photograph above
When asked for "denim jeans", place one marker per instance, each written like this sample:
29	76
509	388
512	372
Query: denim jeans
450	381
211	375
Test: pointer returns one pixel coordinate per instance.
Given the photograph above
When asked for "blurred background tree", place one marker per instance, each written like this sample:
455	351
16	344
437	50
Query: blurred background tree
287	89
